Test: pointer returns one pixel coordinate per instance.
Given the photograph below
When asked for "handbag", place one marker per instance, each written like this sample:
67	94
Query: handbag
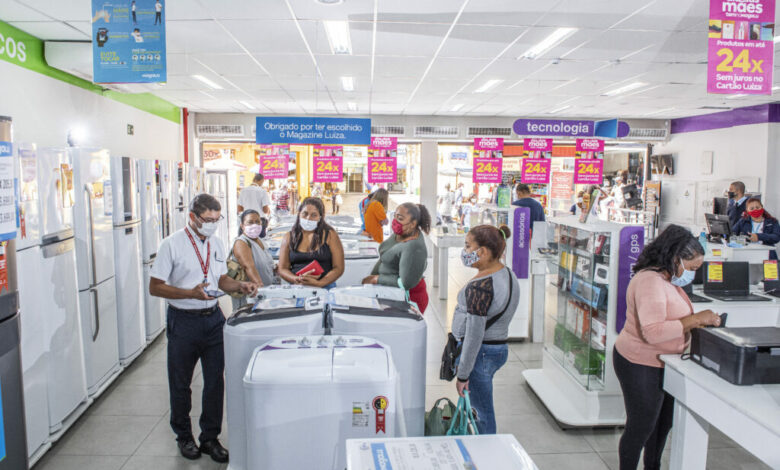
452	350
463	421
235	271
439	418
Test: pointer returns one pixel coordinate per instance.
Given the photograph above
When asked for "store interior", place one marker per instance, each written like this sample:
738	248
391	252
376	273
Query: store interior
443	104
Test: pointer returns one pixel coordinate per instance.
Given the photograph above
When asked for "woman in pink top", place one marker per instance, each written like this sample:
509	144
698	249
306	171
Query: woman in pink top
659	317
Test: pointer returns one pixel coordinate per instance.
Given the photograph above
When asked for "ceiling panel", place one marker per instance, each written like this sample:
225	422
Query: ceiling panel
400	67
340	65
269	37
479	41
448	68
283	66
12	11
415	11
71	10
505	12
390	85
256	83
615	44
196	37
187	10
245	9
309	9
670	15
409	39
51	30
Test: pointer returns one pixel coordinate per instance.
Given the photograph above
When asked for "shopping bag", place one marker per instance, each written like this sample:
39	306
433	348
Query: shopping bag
438	419
463	421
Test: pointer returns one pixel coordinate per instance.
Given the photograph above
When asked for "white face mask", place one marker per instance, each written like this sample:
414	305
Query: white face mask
208	228
309	225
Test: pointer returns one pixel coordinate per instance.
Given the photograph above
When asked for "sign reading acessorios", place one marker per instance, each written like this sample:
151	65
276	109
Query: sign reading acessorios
741	47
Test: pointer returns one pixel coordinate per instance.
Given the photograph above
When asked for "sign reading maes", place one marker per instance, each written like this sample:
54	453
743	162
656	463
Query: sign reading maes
314	130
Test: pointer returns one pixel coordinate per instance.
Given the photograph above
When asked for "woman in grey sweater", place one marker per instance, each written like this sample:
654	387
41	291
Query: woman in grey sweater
485	308
250	252
402	257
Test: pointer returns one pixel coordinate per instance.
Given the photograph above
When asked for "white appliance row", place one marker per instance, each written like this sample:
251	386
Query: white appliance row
89	228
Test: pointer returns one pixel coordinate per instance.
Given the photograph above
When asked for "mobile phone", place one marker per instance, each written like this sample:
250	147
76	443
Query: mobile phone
214	293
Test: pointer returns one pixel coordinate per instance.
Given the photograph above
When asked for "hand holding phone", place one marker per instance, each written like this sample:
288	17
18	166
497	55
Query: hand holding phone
214	293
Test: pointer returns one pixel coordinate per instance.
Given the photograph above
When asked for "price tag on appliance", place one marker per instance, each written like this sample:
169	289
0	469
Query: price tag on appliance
715	272
328	164
487	170
588	171
382	170
770	270
717	252
536	170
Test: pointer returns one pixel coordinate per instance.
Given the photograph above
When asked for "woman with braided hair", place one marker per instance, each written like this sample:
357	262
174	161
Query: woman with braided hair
659	318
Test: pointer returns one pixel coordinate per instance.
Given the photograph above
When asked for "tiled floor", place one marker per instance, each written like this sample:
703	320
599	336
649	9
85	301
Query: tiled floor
128	427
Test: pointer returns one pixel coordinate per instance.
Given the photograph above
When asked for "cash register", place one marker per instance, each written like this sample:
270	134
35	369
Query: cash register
741	356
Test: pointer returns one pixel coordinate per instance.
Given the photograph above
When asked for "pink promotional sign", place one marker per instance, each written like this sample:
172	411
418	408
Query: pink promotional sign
535	170
741	47
388	143
382	170
328	164
274	161
489	143
487	170
589	145
537	145
588	171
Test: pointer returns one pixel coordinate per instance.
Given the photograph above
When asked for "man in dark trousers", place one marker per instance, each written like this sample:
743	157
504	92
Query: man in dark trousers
737	202
189	267
524	199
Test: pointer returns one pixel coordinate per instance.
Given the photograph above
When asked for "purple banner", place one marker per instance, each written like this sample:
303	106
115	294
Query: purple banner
553	127
521	236
632	242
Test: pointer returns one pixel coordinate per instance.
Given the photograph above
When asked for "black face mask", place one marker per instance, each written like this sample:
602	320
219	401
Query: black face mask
731	195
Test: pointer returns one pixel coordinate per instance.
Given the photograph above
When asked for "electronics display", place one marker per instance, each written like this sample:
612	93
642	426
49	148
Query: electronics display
662	164
694	298
718	226
741	356
729	281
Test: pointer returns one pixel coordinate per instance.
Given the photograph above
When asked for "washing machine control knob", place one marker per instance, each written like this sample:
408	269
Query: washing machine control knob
305	342
323	341
340	341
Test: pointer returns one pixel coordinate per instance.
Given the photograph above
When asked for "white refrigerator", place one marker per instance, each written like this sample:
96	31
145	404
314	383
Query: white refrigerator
150	240
180	196
93	226
166	176
127	258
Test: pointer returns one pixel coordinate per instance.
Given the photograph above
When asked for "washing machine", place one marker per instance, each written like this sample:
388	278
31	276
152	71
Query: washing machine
314	393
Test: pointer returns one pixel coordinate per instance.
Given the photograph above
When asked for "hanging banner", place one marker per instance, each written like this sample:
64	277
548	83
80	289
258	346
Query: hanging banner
383	147
489	147
536	171
632	242
312	130
741	47
588	171
589	148
487	170
382	170
274	161
128	41
328	164
537	148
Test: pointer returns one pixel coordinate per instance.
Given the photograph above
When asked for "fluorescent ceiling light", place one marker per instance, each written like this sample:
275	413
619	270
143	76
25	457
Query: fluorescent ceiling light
544	46
330	2
457	107
352	106
347	83
559	109
211	84
625	89
338	36
777	39
487	86
248	105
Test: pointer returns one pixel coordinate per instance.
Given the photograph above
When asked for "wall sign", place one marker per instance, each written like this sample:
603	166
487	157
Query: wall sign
328	164
741	47
570	128
632	242
521	237
274	161
313	130
8	194
128	41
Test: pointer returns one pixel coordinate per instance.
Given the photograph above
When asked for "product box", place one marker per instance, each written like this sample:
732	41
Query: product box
599	331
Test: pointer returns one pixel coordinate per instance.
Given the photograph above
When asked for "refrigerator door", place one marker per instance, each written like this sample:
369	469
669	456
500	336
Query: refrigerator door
13	445
150	216
92	216
123	177
153	307
28	231
57	276
57	194
130	306
180	200
99	331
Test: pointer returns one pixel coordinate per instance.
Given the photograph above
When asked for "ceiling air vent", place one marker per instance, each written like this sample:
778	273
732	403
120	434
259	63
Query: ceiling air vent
490	131
388	130
647	134
436	131
219	130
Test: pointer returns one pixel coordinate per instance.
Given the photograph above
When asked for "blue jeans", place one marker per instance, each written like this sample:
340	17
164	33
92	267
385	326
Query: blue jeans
490	358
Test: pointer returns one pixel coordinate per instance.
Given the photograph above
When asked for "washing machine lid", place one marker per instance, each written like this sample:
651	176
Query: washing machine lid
360	364
276	308
386	308
298	365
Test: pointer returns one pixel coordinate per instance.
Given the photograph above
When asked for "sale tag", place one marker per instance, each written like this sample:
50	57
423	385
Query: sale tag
328	164
741	47
487	170
536	170
382	170
770	270
715	272
717	252
588	171
274	161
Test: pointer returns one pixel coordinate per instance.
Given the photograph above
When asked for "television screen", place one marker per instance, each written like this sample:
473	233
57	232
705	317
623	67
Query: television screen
662	164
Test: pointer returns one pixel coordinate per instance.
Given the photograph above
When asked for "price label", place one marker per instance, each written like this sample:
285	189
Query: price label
717	252
715	272
588	171
770	270
535	170
382	170
487	170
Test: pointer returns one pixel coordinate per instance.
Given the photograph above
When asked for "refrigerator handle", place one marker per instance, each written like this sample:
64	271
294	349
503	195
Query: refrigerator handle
95	314
88	190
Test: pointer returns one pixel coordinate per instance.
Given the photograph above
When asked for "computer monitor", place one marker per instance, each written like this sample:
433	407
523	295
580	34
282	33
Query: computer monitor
720	205
631	196
718	225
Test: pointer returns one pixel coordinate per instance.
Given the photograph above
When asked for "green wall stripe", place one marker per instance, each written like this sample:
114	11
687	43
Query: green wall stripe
25	50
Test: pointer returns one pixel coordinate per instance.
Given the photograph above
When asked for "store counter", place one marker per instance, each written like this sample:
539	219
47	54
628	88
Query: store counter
749	415
441	245
755	253
743	314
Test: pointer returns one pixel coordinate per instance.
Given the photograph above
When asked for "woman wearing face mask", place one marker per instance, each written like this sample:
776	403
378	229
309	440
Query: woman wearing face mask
311	239
251	254
485	308
659	318
758	225
376	215
576	208
403	256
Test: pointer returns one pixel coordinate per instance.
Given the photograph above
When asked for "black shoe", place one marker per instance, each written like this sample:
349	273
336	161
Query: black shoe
215	450
188	449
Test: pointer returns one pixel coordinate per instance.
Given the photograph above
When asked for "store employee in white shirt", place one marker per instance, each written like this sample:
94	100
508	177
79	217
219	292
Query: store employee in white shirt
189	267
255	197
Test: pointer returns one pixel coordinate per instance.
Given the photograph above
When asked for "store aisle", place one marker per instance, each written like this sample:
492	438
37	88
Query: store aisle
127	429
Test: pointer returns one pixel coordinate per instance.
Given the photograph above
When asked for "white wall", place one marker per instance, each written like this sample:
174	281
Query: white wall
44	109
739	153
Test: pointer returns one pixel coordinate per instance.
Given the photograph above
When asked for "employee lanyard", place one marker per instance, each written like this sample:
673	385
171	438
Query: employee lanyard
203	266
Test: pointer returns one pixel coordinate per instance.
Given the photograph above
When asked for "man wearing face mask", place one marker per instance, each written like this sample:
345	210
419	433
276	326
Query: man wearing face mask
189	267
737	202
659	318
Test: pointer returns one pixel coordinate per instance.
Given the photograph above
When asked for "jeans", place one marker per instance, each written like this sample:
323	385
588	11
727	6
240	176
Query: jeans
649	413
192	337
490	358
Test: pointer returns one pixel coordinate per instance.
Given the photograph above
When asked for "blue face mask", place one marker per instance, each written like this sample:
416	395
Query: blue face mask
685	279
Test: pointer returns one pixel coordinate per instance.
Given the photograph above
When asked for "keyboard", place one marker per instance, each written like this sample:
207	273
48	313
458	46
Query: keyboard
739	298
698	299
